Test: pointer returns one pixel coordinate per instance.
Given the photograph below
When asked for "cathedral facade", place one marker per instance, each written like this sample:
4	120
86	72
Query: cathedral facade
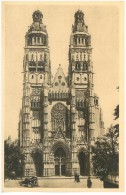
61	118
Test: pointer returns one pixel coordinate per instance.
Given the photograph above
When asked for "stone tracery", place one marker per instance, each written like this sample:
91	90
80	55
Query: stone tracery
58	117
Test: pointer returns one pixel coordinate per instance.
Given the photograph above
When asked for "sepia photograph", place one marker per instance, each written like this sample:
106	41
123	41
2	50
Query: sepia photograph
62	73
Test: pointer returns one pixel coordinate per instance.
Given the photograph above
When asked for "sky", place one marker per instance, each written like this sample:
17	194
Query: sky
103	25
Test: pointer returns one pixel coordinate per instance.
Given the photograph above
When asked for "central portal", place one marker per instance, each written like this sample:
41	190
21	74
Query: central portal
60	161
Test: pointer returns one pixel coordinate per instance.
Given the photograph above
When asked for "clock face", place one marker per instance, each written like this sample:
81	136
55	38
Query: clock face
36	16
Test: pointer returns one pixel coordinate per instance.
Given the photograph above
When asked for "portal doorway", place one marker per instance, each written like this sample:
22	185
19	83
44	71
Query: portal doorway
60	162
38	162
83	163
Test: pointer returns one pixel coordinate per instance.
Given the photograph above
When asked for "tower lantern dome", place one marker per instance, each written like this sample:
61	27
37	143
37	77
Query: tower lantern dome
37	16
79	16
37	24
79	24
37	34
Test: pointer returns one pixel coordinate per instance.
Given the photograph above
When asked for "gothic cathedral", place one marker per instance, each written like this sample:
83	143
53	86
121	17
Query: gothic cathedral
60	119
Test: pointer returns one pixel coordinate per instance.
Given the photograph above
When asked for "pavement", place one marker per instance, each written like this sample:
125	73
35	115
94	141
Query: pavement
57	182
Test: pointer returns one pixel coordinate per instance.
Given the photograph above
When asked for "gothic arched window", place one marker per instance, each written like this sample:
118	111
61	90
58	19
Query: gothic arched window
41	57
43	40
32	57
84	57
58	117
82	40
77	67
80	56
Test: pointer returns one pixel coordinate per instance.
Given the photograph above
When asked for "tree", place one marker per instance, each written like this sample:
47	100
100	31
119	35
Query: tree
116	112
13	159
106	150
105	154
116	115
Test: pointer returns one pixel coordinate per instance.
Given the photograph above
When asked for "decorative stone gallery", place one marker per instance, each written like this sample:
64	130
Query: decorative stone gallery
61	118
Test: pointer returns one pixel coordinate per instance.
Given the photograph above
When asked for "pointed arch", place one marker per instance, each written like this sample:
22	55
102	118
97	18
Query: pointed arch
63	145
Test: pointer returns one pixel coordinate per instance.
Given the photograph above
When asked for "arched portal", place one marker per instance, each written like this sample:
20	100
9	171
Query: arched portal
82	163
38	162
60	161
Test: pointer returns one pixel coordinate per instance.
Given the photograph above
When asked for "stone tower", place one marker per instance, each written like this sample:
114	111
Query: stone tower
37	75
81	84
60	119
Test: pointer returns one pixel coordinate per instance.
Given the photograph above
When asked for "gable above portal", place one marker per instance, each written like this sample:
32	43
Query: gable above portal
59	82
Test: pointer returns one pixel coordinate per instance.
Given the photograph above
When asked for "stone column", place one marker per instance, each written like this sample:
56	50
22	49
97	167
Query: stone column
45	129
74	160
91	111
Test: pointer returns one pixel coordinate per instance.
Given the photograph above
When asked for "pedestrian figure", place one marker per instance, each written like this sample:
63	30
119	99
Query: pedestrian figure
75	177
89	182
78	178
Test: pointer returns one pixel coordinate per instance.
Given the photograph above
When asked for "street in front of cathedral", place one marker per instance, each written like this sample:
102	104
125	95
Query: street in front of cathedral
58	182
